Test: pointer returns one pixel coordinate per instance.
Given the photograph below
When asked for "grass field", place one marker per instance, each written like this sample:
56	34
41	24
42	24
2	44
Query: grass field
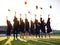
30	40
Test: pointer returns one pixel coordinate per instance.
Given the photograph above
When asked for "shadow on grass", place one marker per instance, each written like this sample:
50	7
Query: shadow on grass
18	42
37	42
29	42
51	41
3	41
33	42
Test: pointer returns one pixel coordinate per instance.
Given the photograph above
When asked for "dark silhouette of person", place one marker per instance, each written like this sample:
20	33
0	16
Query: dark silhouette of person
42	27
37	29
35	25
36	22
48	26
32	28
15	27
9	27
21	27
26	26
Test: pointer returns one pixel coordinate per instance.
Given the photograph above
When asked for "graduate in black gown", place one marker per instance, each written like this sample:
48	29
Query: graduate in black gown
32	27
21	26
26	26
9	27
15	27
48	26
35	22
42	27
37	27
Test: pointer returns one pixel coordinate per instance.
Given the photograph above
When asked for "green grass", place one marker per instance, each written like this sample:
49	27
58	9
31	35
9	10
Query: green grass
30	40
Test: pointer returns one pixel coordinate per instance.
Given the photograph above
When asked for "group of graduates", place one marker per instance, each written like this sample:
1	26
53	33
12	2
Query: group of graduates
28	28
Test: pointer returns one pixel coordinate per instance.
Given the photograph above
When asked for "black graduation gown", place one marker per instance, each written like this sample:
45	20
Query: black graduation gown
48	27
9	27
32	27
26	25
16	26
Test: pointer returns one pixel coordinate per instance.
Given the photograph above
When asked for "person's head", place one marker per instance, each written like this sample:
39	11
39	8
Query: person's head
48	19
15	17
40	19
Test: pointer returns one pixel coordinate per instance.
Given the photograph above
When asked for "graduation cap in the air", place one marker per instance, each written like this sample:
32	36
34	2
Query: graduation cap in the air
41	8
8	9
29	12
25	2
36	7
50	6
